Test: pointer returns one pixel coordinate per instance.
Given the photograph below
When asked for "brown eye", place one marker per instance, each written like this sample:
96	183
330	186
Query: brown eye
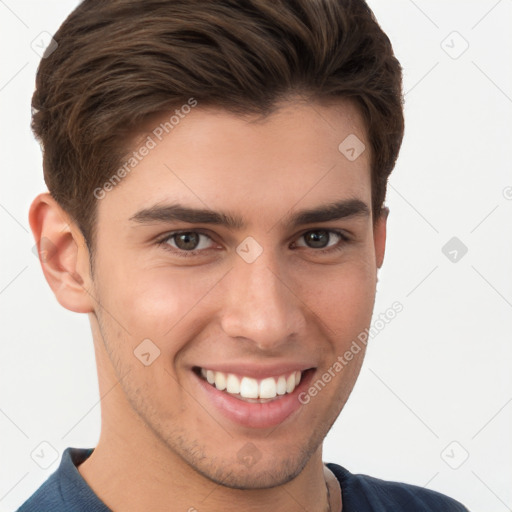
186	241
317	239
323	239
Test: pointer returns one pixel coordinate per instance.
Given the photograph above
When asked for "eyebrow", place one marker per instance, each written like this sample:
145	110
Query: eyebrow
347	208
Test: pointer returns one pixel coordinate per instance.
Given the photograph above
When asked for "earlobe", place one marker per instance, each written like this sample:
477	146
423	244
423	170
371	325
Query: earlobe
63	253
379	236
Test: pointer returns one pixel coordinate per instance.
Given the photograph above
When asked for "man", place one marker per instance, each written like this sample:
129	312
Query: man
217	173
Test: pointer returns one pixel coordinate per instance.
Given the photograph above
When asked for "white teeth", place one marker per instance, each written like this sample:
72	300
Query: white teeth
248	387
281	385
268	388
290	383
232	384
220	381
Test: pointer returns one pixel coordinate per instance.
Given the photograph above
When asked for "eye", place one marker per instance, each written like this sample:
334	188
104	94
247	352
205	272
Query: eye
186	243
324	240
193	243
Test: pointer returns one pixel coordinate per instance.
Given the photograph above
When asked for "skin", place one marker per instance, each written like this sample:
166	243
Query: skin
160	436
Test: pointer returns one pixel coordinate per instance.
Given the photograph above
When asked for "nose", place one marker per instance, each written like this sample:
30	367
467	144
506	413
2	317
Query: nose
261	305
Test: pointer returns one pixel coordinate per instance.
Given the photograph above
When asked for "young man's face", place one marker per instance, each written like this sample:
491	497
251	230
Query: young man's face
261	299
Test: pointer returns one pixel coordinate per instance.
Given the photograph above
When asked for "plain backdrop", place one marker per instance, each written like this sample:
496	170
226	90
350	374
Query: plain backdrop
433	404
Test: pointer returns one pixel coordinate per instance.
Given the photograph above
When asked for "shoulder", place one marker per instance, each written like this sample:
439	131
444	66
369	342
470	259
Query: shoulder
46	497
65	489
381	495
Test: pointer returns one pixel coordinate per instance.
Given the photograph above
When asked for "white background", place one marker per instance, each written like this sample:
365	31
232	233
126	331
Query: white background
436	379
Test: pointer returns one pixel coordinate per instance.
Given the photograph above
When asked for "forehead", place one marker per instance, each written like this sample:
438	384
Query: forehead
259	167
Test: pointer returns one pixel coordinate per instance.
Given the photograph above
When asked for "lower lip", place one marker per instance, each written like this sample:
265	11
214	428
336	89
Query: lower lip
256	415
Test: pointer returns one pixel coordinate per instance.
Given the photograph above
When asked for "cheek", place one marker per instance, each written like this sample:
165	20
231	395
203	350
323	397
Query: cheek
151	302
342	296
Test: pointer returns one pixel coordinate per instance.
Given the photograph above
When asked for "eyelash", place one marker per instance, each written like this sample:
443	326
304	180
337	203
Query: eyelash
187	254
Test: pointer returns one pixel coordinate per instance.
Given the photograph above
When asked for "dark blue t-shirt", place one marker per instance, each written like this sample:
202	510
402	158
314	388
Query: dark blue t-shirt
66	491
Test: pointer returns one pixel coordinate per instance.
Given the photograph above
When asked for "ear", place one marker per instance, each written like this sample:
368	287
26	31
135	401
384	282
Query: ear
63	254
379	236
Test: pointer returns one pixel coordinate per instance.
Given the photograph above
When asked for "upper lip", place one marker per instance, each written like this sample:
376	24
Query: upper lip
257	371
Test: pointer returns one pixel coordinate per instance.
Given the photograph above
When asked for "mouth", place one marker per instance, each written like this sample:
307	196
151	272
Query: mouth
258	400
249	389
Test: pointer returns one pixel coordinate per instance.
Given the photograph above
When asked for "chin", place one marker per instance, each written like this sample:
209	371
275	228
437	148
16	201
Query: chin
246	469
263	475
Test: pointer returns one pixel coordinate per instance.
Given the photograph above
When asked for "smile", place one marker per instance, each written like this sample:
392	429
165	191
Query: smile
252	389
253	396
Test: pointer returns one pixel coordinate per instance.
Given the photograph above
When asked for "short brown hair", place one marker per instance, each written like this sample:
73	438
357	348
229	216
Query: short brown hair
120	61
